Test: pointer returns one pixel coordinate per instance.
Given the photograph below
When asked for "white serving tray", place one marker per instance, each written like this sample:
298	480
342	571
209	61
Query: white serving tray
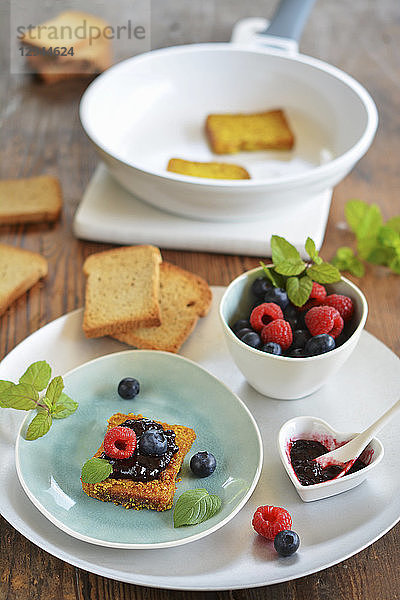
233	557
108	213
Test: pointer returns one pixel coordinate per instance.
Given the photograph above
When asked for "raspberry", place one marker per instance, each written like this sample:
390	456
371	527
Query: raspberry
278	331
265	313
343	305
120	442
318	291
311	302
270	520
324	319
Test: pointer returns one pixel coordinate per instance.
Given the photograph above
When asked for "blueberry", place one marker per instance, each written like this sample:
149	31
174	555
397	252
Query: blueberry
272	348
260	286
203	464
293	322
319	344
277	295
251	338
300	338
242	332
286	542
153	443
257	303
128	388
297	353
290	311
240	324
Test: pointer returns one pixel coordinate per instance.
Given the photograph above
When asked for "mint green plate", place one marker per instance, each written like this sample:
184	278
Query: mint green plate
174	390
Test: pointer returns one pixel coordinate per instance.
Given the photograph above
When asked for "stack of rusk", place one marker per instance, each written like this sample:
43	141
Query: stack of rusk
135	297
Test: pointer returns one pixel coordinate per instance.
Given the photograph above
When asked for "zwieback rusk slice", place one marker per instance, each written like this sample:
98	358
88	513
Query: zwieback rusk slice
184	297
122	290
20	269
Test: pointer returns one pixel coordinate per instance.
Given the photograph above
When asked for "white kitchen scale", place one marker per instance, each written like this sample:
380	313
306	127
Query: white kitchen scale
108	213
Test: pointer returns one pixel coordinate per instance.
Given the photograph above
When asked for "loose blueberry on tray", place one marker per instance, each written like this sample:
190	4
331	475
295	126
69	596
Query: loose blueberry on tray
286	542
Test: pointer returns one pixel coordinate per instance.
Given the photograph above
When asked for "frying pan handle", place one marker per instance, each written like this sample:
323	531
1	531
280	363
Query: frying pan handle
289	19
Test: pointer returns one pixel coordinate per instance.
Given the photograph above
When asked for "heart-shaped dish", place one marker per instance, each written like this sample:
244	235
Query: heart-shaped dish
313	428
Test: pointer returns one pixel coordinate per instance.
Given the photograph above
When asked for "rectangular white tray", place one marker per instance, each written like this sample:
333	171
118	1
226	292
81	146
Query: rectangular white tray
108	213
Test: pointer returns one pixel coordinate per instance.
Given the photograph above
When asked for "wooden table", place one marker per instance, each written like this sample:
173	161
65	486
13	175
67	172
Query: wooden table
40	133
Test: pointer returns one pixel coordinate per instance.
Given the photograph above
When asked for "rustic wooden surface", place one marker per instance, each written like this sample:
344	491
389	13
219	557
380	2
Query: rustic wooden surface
40	133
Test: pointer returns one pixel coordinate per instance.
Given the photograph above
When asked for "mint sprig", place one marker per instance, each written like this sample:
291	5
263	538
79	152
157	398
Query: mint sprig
24	395
295	275
96	470
377	242
195	506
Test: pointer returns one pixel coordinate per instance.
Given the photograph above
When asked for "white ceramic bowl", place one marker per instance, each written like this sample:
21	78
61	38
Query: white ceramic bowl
283	377
149	108
313	428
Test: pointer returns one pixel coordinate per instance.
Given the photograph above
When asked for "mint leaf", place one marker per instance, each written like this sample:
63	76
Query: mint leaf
312	251
21	396
25	396
356	267
299	289
63	407
96	470
394	223
324	273
345	254
38	375
5	387
370	223
355	211
38	426
282	250
381	256
275	278
310	248
290	266
365	246
395	265
388	237
54	389
195	506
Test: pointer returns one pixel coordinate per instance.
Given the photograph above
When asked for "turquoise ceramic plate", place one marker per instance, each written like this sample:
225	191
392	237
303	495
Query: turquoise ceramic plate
174	390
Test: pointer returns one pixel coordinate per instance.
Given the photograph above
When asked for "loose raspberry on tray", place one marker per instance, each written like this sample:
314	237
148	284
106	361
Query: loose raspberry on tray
324	319
278	331
265	313
343	304
268	521
120	442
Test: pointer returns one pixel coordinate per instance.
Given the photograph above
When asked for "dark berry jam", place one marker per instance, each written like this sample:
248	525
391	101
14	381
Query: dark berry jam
141	467
302	453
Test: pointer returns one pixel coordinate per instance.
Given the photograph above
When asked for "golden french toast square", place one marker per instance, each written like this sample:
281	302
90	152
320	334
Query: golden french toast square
230	133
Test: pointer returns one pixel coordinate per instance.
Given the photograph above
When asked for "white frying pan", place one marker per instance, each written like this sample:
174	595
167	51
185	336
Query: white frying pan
152	107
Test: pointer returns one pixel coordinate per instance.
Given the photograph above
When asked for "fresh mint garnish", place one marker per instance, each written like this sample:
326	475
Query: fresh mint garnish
195	506
37	374
24	395
295	275
323	273
39	426
299	288
377	242
63	407
96	470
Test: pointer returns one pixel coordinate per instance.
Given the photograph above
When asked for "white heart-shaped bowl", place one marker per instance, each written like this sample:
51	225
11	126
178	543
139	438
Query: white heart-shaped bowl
283	377
313	428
